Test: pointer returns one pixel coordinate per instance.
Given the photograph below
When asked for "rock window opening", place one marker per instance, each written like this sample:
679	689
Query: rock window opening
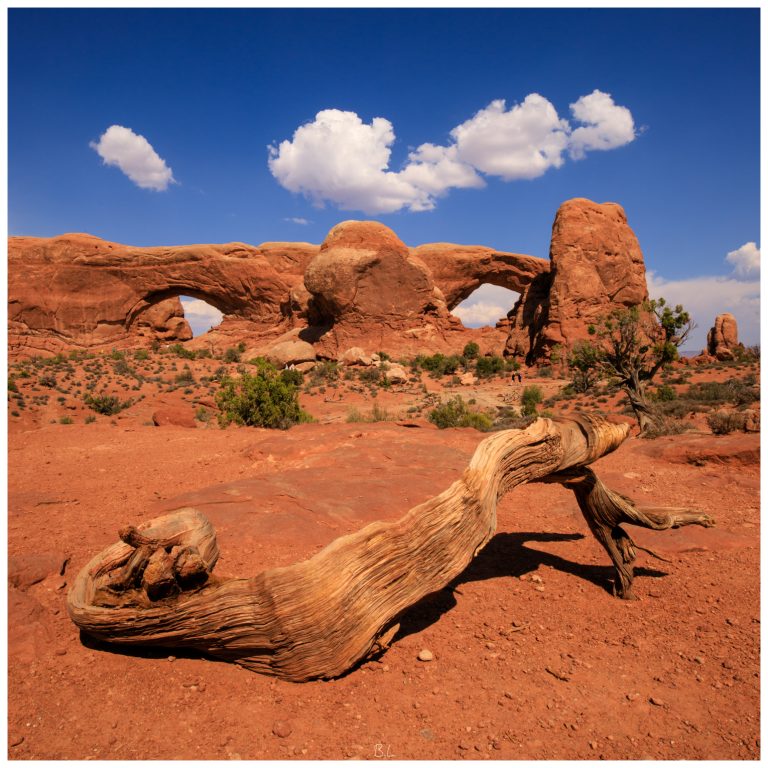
485	306
200	315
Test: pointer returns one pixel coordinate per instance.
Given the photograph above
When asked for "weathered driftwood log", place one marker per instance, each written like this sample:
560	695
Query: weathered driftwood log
317	618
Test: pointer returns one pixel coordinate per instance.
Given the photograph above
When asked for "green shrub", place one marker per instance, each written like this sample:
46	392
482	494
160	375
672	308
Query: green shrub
90	418
48	380
437	365
262	399
203	414
489	365
106	405
471	350
180	350
736	391
456	413
377	413
530	399
65	420
325	372
12	385
185	377
292	376
665	394
141	354
232	355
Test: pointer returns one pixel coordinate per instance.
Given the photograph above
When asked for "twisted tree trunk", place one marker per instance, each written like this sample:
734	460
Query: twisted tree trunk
317	618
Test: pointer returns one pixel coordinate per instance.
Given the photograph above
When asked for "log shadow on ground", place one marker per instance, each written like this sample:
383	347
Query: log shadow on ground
506	556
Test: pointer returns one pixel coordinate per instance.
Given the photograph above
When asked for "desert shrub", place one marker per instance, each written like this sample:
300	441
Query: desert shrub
12	384
471	350
510	418
203	414
725	422
456	413
65	420
262	399
185	377
383	356
324	373
107	405
735	391
545	371
117	354
370	375
90	418
530	399
292	376
437	365
123	369
377	413
231	355
665	394
489	365
48	380
141	354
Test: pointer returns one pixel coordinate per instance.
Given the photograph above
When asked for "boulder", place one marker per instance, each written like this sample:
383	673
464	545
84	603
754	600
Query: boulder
723	338
176	416
356	356
291	352
396	374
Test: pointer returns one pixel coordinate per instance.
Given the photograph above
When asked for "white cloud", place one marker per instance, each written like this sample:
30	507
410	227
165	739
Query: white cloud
200	316
486	305
745	260
340	159
606	125
298	220
520	143
134	156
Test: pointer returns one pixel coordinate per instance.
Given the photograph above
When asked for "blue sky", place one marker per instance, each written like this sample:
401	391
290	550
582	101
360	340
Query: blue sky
397	115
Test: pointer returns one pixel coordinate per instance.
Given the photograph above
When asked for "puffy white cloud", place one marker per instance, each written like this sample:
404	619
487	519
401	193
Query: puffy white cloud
134	156
486	305
706	297
298	220
606	124
200	316
340	159
518	143
745	260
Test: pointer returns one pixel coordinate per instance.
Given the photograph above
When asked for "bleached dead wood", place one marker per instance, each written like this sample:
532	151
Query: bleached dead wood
317	618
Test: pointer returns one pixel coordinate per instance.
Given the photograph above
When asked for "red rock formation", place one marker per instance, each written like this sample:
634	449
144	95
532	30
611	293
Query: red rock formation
79	290
363	287
723	338
596	266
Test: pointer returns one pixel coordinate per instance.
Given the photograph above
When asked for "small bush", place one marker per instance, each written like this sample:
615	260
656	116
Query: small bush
377	413
180	350
231	355
665	394
106	405
471	350
489	366
90	418
185	378
456	413
203	414
530	399
141	354
48	380
262	399
725	422
325	372
292	376
65	420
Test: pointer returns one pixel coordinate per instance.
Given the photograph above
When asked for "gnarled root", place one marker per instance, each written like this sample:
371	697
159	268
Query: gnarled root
605	510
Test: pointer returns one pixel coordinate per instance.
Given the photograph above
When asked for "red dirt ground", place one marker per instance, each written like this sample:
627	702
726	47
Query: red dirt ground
533	657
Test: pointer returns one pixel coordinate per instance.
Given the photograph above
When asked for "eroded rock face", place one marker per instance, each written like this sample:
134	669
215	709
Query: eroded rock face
723	337
596	266
363	287
79	290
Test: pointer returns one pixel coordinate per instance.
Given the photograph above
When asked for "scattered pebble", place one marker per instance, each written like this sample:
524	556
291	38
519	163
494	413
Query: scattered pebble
425	655
633	696
18	740
282	729
171	658
699	659
427	734
657	702
61	651
593	745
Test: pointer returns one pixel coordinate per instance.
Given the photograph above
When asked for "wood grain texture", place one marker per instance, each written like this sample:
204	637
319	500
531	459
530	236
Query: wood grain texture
318	617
